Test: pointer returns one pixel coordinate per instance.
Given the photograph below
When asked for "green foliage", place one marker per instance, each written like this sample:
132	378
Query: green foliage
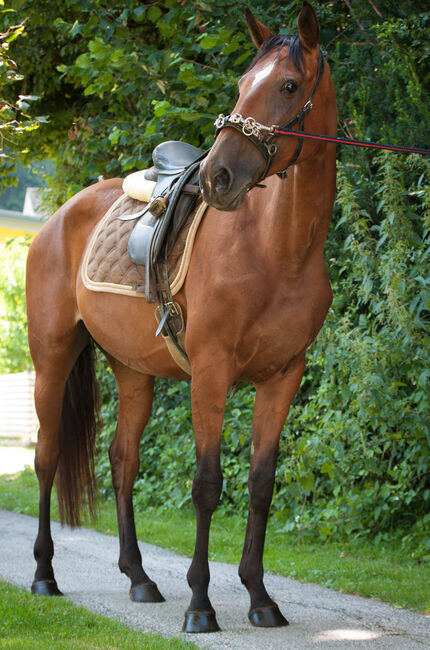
14	354
15	119
360	460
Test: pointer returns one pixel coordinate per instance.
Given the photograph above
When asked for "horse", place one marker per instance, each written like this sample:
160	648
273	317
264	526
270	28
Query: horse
255	296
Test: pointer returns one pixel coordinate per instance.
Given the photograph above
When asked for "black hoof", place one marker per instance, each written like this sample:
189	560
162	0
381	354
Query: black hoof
45	588
267	617
146	593
200	622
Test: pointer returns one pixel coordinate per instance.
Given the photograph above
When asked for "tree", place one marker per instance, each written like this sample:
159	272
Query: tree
15	121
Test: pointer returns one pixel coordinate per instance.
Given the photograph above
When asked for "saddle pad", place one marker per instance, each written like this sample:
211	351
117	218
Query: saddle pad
107	266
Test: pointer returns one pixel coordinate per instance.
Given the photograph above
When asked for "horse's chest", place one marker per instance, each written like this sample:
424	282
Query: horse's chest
278	328
276	337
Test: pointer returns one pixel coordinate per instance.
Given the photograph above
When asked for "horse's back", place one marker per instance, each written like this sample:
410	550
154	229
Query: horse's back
64	236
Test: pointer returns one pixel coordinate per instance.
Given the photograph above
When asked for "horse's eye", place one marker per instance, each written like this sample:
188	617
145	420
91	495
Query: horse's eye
289	86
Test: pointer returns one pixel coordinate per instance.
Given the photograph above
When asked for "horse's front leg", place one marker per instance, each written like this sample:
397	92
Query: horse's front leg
272	401
208	395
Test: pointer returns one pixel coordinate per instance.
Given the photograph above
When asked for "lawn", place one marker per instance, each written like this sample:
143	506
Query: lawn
372	570
63	626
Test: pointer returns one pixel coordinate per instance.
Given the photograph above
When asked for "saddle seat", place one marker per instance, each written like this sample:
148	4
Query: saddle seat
173	156
170	159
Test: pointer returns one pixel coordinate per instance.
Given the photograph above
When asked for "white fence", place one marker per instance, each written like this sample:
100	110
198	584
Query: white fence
18	417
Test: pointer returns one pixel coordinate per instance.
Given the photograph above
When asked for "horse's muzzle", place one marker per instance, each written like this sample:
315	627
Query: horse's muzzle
221	188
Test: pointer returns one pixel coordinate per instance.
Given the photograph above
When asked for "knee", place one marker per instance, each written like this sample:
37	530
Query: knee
260	486
124	463
207	486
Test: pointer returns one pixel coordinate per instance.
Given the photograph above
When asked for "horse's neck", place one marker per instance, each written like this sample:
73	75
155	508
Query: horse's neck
296	212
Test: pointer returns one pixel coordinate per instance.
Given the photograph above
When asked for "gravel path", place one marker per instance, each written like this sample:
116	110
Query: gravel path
86	569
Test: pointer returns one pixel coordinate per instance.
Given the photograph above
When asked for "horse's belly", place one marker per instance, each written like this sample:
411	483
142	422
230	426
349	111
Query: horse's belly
124	327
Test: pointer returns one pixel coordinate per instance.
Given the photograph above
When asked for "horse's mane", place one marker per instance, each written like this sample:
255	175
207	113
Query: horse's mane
280	41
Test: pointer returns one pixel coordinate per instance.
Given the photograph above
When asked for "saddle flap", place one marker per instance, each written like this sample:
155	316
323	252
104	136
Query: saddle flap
140	240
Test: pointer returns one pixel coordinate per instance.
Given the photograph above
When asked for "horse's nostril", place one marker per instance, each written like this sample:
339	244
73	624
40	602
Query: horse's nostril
223	180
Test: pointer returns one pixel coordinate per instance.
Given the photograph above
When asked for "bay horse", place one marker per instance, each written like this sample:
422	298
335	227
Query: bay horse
255	297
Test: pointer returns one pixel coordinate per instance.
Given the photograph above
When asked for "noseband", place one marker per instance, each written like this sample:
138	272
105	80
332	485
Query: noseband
263	136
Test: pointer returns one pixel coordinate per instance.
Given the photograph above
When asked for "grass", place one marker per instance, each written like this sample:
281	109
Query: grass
38	623
375	571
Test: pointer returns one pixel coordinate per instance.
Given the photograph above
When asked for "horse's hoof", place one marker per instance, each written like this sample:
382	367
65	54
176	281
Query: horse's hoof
45	588
267	617
146	593
200	622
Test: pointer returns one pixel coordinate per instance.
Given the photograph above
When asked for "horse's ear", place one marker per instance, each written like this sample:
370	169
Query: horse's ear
309	29
259	32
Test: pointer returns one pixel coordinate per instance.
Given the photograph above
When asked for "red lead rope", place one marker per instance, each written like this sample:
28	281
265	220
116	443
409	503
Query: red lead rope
355	143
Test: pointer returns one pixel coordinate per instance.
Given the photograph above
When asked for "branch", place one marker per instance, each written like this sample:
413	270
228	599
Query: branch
375	8
360	24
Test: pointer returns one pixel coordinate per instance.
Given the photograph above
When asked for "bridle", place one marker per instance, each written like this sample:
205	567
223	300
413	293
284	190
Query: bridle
263	136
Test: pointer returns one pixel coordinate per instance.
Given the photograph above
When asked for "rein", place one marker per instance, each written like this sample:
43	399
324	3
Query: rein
279	130
263	136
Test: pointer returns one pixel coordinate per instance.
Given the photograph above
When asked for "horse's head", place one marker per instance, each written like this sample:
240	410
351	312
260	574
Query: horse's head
278	89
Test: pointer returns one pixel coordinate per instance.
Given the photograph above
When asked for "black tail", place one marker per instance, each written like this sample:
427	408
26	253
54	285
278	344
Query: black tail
75	479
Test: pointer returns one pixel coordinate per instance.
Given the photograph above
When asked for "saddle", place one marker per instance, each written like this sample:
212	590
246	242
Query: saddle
171	189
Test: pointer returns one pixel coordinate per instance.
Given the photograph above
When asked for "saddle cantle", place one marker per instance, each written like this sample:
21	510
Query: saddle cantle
171	159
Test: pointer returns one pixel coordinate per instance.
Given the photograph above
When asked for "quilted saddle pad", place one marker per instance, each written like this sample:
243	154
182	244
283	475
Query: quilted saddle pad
107	265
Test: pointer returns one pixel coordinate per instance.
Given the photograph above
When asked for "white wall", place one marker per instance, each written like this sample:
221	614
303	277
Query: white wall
18	417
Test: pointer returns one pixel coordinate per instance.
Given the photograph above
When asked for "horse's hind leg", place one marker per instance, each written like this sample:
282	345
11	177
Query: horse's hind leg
135	402
272	401
53	363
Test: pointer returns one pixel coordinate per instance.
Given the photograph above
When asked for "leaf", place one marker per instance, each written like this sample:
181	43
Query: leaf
139	12
29	98
307	481
83	61
327	468
154	13
23	106
76	29
209	41
161	108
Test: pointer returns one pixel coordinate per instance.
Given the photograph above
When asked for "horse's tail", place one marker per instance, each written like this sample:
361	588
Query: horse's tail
75	480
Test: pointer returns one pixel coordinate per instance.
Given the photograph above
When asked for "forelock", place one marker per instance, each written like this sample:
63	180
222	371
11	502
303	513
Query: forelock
279	42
